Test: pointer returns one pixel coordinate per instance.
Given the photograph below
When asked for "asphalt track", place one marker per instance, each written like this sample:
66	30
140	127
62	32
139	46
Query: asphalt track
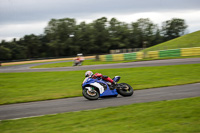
26	68
32	109
21	110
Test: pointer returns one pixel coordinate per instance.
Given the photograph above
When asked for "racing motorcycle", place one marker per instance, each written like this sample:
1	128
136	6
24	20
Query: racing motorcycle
99	88
77	63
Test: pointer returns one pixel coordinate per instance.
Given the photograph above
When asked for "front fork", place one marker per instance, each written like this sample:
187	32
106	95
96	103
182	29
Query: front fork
91	89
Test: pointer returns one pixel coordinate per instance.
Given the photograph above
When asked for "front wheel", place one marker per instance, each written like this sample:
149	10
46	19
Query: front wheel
90	95
125	89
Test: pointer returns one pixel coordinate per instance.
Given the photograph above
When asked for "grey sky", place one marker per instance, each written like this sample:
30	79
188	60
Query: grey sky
20	17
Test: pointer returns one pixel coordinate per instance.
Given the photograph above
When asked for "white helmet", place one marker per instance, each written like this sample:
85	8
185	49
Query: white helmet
88	74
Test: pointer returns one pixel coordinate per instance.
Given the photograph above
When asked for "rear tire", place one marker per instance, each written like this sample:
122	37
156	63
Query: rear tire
125	92
90	96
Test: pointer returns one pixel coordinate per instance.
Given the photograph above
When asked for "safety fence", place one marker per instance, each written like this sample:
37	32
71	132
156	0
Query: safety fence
195	51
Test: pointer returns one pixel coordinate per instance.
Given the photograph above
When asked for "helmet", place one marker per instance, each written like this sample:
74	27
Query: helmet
88	73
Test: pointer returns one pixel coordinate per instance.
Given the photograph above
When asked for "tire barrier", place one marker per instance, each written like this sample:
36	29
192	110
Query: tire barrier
195	51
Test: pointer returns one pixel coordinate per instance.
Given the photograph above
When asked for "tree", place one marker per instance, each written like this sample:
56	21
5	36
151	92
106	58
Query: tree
119	33
143	31
157	38
101	37
32	45
173	28
5	53
59	33
84	38
55	48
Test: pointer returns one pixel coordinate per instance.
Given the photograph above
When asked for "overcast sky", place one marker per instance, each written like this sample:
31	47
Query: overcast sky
22	17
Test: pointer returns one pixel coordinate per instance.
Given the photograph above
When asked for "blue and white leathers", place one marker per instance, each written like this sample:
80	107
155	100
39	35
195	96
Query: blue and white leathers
101	85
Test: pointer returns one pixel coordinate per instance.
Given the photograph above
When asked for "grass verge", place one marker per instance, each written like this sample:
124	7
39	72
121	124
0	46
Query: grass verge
35	86
69	64
175	116
40	61
186	41
94	62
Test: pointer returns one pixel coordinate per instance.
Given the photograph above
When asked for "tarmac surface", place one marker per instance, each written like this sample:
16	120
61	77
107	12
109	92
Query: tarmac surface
31	109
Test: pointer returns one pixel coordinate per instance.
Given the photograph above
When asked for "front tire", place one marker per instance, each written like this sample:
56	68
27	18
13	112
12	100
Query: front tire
125	90
90	95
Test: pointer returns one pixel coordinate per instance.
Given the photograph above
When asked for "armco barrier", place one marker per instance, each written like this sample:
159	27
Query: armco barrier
140	55
190	51
130	56
152	54
102	58
109	57
186	52
118	57
169	53
174	53
196	51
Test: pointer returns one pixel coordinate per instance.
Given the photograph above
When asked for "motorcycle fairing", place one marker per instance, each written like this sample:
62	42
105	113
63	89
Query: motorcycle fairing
95	83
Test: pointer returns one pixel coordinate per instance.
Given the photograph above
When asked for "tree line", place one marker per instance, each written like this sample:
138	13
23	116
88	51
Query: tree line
64	37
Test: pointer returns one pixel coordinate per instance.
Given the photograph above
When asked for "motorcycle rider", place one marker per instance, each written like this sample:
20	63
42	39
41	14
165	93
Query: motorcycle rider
78	60
99	75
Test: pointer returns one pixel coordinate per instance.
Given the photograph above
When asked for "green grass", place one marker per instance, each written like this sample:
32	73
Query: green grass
186	41
69	64
175	116
35	86
61	64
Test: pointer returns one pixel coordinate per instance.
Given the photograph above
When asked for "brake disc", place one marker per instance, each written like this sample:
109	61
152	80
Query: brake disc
91	93
125	87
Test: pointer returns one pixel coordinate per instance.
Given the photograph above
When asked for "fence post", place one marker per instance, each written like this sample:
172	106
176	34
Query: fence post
97	57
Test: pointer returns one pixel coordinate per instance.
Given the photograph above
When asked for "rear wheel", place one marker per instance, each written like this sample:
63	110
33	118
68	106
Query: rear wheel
90	95
125	89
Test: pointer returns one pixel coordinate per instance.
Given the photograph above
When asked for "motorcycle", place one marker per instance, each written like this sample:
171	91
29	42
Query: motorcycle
99	88
77	63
